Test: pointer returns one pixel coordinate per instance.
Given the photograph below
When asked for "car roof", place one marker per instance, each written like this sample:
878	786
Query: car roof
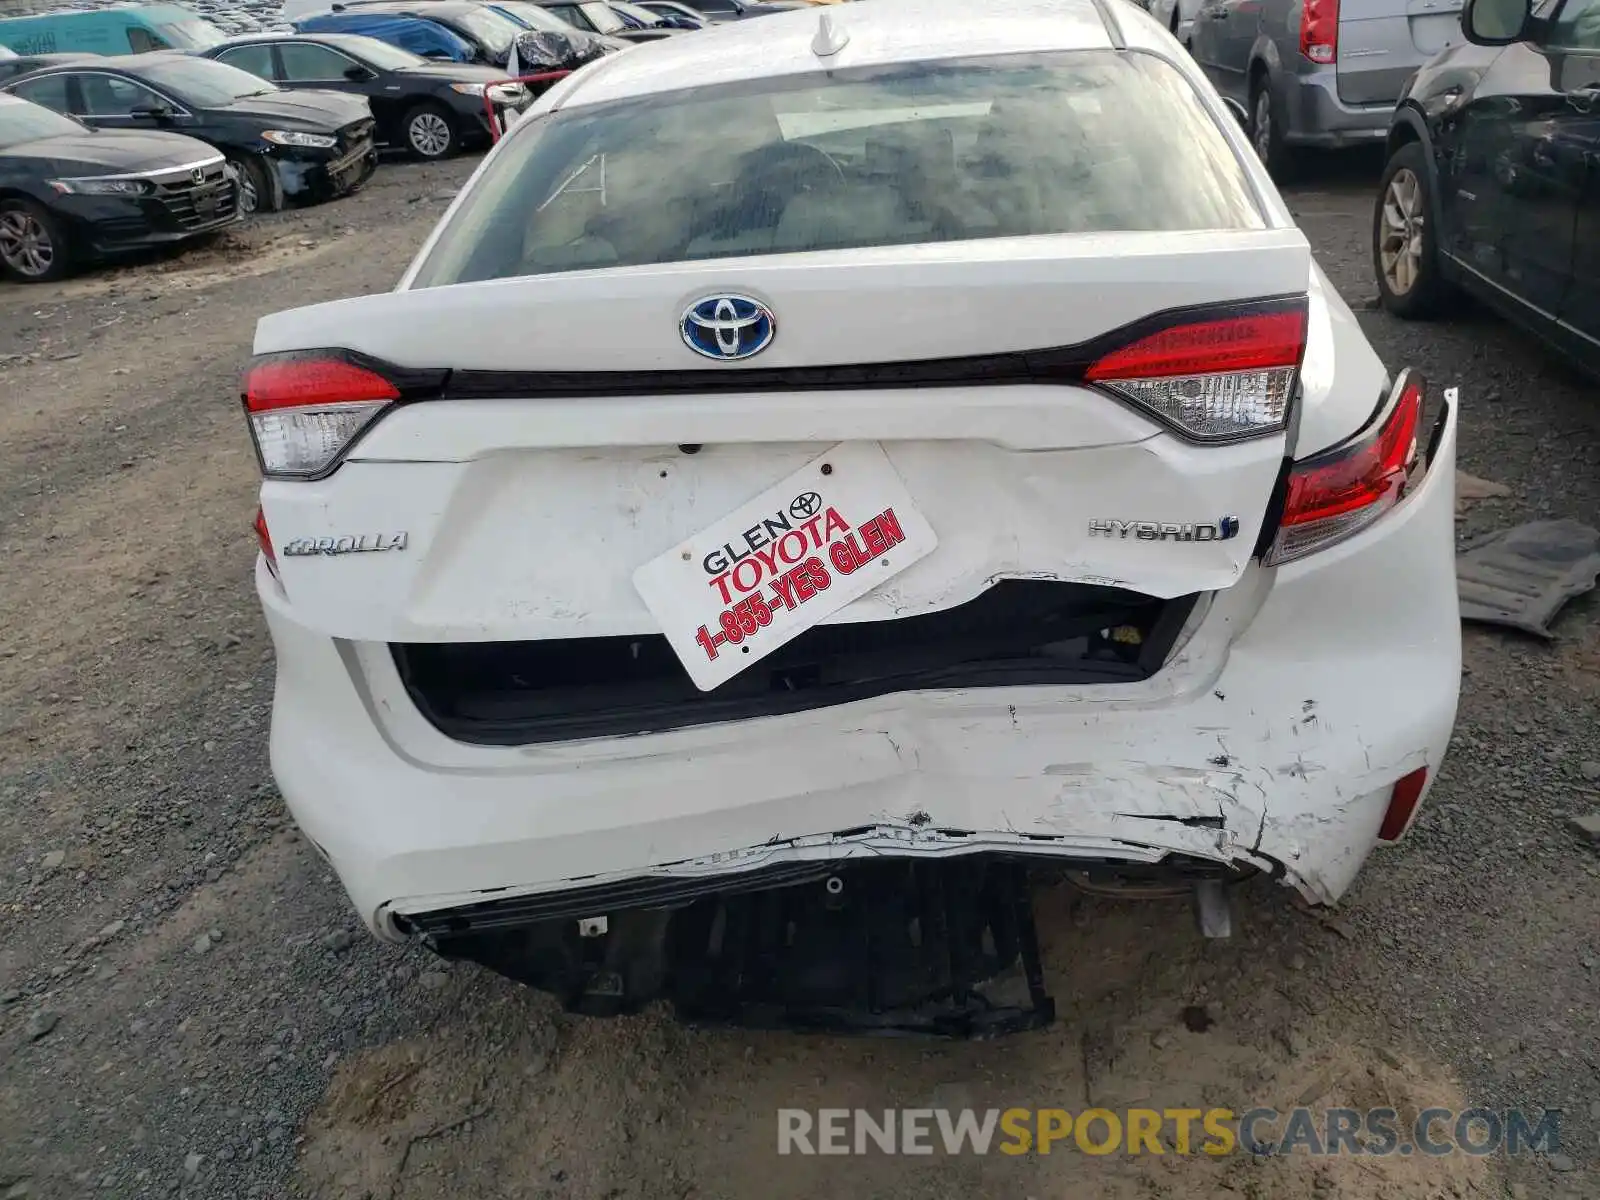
61	58
370	14
352	42
878	32
416	8
127	64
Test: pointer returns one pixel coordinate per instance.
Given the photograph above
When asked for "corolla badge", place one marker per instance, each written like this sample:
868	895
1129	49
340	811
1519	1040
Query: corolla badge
350	543
727	327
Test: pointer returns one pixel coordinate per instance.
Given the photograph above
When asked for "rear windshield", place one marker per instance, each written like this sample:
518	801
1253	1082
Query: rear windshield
643	15
1081	142
201	82
602	18
492	30
534	17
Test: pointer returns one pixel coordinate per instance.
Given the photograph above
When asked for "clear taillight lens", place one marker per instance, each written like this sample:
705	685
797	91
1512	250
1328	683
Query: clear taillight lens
1339	493
1218	379
306	442
305	412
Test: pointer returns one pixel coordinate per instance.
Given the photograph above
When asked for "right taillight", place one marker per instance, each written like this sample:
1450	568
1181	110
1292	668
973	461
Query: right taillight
306	409
1215	377
1339	493
1319	30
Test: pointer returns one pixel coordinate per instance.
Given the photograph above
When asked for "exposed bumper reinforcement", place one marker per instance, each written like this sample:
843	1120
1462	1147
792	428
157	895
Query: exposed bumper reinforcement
909	947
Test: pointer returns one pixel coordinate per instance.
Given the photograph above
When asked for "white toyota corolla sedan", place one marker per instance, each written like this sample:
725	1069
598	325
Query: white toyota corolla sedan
821	476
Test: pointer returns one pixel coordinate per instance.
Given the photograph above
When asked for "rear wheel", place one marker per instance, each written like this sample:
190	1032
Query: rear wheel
1405	255
257	187
1267	130
32	247
429	132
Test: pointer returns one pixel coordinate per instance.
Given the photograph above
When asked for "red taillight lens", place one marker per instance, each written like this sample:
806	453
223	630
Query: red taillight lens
298	383
1319	30
1215	379
305	410
1403	803
264	540
1338	494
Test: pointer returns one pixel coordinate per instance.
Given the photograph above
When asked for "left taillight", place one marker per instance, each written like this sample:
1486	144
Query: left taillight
1339	493
1214	377
307	409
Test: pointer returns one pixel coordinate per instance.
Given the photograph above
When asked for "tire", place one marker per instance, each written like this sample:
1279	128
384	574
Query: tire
429	133
1405	250
1266	131
33	246
258	187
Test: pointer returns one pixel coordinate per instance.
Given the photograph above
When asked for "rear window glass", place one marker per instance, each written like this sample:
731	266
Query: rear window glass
1082	142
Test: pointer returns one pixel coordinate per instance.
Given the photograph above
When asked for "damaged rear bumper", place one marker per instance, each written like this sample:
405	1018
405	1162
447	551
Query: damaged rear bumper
1271	740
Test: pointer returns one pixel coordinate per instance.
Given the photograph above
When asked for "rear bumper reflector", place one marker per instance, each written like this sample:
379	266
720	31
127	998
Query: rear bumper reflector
1403	803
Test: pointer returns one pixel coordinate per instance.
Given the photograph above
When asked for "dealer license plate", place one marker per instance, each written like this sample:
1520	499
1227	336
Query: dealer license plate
796	554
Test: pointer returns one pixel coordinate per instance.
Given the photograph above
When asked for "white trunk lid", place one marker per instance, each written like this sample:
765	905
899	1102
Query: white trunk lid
526	515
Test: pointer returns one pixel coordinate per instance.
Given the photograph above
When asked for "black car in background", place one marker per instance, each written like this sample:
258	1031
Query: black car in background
738	10
671	10
642	18
304	145
595	16
1493	179
25	64
536	17
489	33
69	193
430	108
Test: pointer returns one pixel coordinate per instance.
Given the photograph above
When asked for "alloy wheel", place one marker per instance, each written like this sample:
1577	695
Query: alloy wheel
25	244
1400	237
1263	126
429	134
249	200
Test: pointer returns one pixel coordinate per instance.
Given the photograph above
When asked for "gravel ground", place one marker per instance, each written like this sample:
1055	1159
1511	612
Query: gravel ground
187	1005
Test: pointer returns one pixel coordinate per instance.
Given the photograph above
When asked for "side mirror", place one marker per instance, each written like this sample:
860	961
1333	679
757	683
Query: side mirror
151	112
1497	22
357	74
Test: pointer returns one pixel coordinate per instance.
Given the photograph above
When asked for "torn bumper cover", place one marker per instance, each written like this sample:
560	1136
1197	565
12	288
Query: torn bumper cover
1271	740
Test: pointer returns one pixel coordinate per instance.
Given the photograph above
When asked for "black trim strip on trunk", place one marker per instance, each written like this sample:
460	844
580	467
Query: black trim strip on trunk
1058	365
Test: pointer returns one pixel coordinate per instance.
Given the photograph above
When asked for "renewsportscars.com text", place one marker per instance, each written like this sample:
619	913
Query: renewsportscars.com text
1181	1131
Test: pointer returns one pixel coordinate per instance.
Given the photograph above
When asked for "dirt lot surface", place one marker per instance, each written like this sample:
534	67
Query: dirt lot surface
188	1006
